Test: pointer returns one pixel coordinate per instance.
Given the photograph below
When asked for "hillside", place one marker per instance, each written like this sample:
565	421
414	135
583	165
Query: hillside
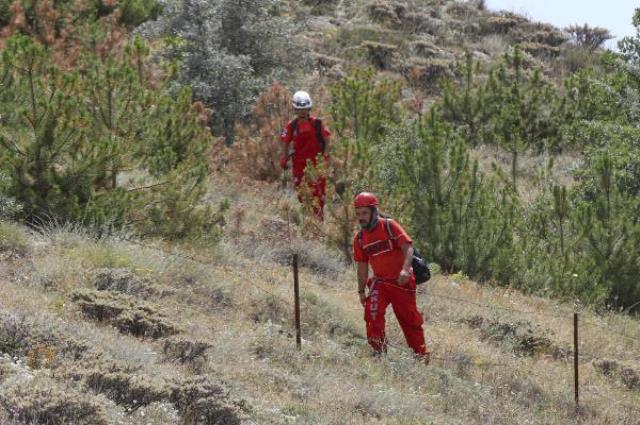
147	231
117	331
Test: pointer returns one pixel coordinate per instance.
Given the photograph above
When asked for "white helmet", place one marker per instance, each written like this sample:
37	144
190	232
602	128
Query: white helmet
301	100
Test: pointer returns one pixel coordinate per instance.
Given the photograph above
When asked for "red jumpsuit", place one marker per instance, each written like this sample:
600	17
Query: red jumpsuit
386	259
307	147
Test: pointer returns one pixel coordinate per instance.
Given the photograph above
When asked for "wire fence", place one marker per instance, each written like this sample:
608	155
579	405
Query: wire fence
398	345
206	262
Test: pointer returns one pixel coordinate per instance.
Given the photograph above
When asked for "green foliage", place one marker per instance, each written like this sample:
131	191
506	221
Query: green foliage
460	219
99	145
228	51
136	12
362	107
466	105
630	46
511	109
362	111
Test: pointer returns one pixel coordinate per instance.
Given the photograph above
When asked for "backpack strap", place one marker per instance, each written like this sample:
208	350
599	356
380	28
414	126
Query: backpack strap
387	222
318	125
294	127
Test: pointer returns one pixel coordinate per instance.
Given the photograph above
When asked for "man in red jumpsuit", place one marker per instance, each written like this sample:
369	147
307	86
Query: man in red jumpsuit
393	281
310	139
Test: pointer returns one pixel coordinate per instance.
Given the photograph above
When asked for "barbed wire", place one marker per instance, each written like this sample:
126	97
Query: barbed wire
205	262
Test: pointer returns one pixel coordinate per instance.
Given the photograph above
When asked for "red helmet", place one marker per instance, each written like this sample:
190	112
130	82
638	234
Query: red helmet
365	199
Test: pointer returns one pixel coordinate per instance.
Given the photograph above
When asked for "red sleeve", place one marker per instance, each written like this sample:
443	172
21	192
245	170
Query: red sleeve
401	236
287	133
358	254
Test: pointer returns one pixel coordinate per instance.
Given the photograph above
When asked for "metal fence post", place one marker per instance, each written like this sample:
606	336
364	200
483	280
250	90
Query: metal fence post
575	359
296	295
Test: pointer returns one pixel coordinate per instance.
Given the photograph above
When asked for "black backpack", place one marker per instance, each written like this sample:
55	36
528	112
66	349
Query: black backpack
317	123
419	264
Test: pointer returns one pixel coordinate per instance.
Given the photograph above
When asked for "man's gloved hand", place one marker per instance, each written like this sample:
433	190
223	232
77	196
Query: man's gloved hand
284	162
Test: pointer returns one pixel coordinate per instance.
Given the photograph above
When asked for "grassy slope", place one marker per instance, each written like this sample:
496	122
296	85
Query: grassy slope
238	299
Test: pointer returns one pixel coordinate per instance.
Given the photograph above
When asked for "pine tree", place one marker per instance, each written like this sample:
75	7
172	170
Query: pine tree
97	144
608	221
460	219
511	109
362	111
467	105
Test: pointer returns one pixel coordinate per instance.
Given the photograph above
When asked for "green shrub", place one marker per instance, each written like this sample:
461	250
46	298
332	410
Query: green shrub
228	50
459	218
98	146
362	110
512	109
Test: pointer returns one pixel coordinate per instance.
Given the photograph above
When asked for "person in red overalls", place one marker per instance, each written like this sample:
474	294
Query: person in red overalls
310	139
393	282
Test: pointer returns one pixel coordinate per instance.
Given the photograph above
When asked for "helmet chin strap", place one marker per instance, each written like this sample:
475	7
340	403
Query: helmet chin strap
373	221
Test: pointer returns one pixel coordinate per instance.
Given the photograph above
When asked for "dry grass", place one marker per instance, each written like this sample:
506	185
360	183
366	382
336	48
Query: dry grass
233	305
533	170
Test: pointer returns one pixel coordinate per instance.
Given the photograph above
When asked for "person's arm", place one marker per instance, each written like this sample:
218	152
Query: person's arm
363	276
327	140
284	157
405	273
285	140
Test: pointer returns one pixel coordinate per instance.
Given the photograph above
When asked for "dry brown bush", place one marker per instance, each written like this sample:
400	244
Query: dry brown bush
126	282
425	74
270	309
463	10
185	350
202	401
617	371
257	151
380	55
65	33
19	336
426	49
540	49
52	406
128	390
325	62
522	337
545	34
422	23
386	12
13	242
588	37
501	24
138	319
